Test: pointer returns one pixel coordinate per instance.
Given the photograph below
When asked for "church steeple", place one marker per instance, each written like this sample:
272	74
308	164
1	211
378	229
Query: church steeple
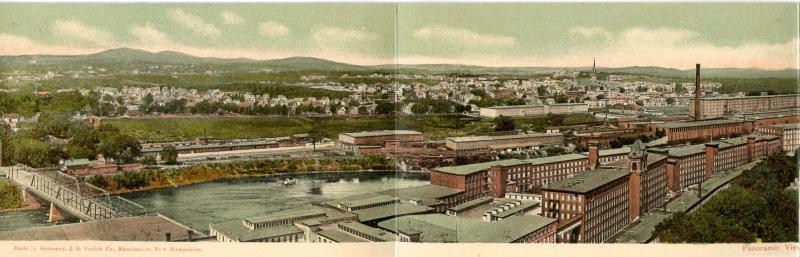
594	69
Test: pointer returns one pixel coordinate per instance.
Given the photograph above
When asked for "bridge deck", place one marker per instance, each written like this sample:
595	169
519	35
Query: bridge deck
79	199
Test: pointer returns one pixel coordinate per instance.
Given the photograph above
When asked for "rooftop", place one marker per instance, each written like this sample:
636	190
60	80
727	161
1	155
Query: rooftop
642	232
746	97
78	162
375	199
503	137
525	205
586	181
340	236
367	230
441	228
235	230
471	203
381	133
787	126
389	211
615	151
428	194
689	124
476	167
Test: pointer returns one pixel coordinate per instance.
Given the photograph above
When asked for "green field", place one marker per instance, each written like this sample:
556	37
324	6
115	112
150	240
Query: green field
433	127
161	129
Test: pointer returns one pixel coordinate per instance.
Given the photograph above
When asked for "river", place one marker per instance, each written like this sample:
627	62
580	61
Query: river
217	201
211	202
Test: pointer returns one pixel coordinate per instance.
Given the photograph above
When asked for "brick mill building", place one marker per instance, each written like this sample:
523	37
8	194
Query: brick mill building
703	130
592	206
788	133
721	106
507	176
486	144
376	142
594	195
533	110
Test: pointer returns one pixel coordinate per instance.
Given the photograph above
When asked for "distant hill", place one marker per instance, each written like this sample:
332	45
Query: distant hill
123	56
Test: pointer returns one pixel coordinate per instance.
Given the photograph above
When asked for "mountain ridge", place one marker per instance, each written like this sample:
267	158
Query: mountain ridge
131	55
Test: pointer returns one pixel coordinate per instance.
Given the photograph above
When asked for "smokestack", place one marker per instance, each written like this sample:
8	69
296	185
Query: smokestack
697	93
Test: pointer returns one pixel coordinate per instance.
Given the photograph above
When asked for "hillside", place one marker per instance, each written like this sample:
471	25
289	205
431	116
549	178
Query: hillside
128	56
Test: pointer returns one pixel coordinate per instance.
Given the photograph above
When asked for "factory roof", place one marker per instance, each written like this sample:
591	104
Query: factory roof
235	230
587	181
381	133
524	206
78	162
472	203
690	124
428	194
746	97
213	145
642	232
476	167
442	228
358	202
340	236
787	126
503	137
367	230
615	151
390	210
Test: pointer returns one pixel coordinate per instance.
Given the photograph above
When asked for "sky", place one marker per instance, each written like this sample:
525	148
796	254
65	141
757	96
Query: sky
675	35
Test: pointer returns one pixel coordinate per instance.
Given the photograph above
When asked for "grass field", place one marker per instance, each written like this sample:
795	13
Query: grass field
433	127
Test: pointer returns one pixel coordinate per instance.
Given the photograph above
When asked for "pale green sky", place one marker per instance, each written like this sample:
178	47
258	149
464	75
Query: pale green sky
531	34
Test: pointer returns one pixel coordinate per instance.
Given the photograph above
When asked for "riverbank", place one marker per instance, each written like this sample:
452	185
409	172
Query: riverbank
276	175
154	179
11	198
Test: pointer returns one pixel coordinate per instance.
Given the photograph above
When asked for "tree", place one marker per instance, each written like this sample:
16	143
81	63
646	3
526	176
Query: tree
385	107
679	89
560	99
504	123
149	160
316	132
98	181
35	153
670	100
541	90
169	155
122	148
82	142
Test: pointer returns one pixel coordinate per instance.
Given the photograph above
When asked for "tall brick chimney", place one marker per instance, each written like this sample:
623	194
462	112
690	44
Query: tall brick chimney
697	93
594	154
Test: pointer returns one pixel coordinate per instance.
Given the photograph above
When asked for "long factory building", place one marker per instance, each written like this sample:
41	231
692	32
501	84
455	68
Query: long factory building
594	195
